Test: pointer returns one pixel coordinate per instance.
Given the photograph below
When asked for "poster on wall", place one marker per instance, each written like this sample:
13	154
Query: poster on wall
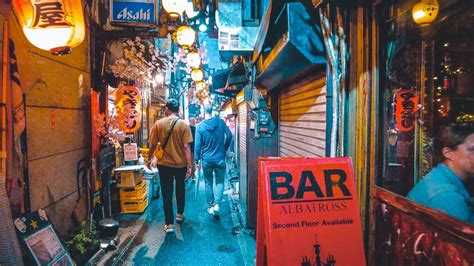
37	233
308	213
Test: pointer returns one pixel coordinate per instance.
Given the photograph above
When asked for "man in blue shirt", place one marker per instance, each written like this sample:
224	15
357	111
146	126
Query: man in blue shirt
213	138
443	188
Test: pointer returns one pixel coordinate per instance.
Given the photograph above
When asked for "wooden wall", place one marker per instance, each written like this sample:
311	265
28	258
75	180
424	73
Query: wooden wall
410	234
58	124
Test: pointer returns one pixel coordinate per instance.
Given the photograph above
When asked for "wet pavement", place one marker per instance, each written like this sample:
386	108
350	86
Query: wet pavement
199	240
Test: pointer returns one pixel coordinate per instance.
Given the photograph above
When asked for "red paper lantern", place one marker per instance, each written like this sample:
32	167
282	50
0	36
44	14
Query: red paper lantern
406	106
53	25
128	106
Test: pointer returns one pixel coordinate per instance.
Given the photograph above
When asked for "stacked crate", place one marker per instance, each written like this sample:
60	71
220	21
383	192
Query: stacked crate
133	191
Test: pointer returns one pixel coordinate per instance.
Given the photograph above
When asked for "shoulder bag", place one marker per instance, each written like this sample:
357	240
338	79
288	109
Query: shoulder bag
160	149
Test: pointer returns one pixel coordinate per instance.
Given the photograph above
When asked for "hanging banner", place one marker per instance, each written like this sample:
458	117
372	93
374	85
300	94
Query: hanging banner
17	177
137	13
308	213
406	105
128	107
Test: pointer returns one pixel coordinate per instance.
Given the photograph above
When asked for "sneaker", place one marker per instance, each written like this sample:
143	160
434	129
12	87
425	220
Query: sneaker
210	210
168	228
216	211
179	218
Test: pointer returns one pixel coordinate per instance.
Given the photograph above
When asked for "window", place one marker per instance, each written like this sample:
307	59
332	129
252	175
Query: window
426	82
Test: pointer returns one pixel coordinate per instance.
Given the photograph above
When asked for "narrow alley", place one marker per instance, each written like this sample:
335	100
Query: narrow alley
199	240
323	132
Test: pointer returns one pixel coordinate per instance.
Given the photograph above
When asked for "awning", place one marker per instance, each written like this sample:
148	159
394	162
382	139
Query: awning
230	81
290	42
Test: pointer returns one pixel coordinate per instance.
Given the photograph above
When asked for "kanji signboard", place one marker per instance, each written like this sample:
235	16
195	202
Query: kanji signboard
308	213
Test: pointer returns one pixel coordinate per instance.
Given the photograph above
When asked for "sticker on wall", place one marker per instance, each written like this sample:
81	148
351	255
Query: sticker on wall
406	105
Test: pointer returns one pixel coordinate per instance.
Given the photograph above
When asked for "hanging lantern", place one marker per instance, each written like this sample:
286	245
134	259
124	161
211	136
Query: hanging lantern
52	25
200	86
406	106
197	75
425	12
194	60
175	8
128	106
185	36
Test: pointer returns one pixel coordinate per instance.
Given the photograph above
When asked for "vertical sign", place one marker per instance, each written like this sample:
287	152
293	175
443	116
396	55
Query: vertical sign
308	213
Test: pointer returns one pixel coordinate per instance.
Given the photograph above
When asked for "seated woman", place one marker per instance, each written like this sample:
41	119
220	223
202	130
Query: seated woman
443	188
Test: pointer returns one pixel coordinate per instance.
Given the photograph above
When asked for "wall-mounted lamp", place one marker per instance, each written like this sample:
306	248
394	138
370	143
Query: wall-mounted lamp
425	12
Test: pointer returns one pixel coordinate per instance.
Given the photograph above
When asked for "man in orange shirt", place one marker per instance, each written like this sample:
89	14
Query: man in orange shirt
174	136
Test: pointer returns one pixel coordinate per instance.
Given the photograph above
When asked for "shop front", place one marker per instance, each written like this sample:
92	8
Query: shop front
425	84
290	74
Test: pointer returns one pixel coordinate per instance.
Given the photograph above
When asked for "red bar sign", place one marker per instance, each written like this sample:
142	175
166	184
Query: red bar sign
308	213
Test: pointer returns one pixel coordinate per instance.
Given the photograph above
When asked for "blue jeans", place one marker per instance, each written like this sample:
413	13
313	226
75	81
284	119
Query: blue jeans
210	168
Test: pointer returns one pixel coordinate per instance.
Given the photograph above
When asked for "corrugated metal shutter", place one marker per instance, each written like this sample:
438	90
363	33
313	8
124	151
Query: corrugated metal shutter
243	140
303	120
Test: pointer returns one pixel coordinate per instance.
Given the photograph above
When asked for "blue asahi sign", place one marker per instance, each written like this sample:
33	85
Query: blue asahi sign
134	12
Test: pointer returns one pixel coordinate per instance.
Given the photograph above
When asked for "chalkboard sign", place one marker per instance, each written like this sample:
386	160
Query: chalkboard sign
107	159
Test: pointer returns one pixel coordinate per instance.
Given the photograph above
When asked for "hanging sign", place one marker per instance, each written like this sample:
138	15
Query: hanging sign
37	233
406	105
308	213
128	106
138	13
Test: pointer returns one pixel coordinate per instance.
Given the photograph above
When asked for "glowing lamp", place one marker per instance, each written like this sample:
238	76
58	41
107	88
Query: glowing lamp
174	7
203	27
197	75
185	36
425	12
128	106
194	60
200	86
55	25
159	78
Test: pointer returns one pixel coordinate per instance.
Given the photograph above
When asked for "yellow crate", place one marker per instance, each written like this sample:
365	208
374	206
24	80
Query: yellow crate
134	206
130	178
135	192
144	152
